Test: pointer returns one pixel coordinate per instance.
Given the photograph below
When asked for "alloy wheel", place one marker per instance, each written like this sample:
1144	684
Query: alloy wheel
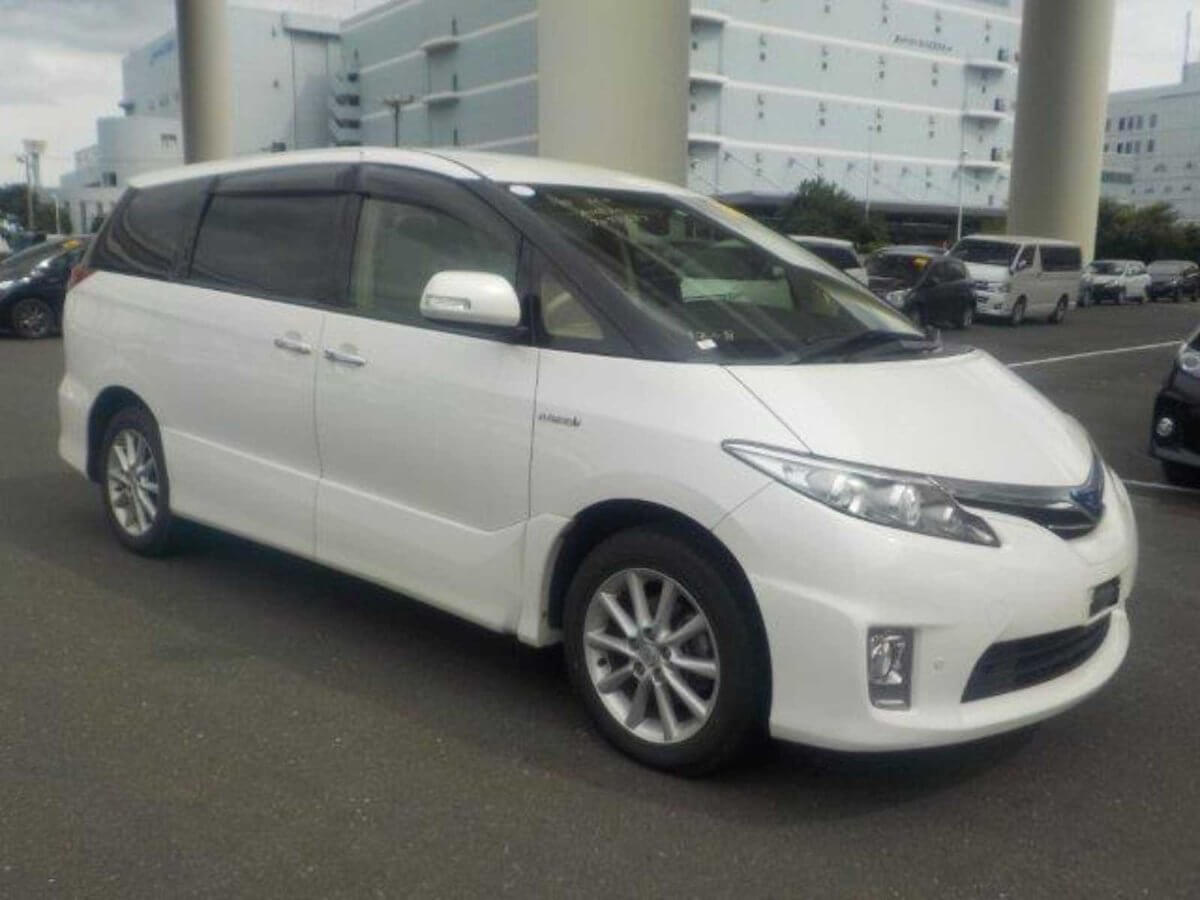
31	318
651	655
132	482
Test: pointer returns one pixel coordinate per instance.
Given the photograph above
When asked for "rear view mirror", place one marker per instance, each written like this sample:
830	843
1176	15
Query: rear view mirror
471	298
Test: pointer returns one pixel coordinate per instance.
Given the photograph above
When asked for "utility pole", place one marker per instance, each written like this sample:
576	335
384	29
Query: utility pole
870	167
32	157
962	153
395	103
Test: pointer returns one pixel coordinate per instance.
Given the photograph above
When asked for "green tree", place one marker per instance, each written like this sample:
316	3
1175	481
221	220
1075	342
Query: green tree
821	208
1146	233
12	203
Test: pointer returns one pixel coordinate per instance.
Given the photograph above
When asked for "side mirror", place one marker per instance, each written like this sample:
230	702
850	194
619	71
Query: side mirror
471	298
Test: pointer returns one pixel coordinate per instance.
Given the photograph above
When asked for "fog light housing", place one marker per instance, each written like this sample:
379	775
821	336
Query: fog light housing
889	667
1164	427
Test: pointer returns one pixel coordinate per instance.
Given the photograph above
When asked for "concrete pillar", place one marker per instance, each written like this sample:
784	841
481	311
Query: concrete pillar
613	84
205	79
1062	100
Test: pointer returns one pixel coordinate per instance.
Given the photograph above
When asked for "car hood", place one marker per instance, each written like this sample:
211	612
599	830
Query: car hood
984	272
1103	279
962	416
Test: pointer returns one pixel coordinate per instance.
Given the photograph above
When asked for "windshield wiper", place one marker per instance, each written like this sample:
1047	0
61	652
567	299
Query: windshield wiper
901	341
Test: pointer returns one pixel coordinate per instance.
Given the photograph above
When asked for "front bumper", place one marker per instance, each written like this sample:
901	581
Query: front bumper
1099	292
992	303
1180	400
823	579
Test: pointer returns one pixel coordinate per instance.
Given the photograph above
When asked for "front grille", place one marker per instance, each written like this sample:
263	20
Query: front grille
1013	665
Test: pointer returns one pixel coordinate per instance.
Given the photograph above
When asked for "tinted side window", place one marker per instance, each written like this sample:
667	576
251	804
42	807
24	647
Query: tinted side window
402	245
1025	260
145	234
1066	259
278	246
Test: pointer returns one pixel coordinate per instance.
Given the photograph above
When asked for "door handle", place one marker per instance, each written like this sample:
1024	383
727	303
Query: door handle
339	356
295	345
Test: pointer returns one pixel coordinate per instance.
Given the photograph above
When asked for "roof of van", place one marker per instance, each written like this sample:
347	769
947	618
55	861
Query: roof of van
1019	239
451	162
823	241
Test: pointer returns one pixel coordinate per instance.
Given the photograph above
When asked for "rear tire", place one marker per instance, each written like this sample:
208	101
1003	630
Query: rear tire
628	663
32	318
1017	316
1060	312
134	487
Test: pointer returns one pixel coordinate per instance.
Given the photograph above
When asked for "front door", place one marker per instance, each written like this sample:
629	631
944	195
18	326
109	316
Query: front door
425	430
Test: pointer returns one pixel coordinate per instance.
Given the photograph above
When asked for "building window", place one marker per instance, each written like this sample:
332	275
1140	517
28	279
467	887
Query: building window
109	179
1106	148
1108	125
168	141
1140	123
1150	145
1121	124
1153	120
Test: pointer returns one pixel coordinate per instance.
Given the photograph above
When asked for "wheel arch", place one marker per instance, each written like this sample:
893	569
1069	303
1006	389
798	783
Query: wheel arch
107	404
602	520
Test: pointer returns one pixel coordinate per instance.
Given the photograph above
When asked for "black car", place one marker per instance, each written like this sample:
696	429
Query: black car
1174	279
33	284
929	288
1175	431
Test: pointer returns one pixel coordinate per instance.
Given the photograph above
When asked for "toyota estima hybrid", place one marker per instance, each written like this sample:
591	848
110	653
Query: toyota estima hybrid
575	405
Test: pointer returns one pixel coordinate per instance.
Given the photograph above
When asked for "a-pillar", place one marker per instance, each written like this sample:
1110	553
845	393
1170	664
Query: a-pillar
205	79
1061	106
613	84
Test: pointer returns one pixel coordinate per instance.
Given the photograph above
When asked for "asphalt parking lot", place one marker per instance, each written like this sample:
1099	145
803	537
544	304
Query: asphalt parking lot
236	722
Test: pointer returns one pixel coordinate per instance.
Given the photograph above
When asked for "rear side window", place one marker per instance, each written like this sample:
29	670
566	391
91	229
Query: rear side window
842	258
1064	259
146	233
276	246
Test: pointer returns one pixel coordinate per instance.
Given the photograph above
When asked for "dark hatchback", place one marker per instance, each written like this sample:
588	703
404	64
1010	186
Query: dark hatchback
33	284
1174	279
1175	431
925	285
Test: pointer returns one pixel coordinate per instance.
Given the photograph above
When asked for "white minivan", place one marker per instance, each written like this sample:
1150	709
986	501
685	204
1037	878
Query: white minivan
1022	277
576	405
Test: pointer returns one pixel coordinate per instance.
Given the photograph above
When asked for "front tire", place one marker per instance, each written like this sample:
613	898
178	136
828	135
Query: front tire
665	652
1017	316
32	318
134	487
1060	312
1181	475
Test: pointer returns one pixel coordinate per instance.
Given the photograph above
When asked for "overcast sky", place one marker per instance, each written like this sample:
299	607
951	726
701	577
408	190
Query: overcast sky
62	62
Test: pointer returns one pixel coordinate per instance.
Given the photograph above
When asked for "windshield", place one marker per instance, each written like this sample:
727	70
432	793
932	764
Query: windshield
989	253
1106	267
714	283
906	270
27	260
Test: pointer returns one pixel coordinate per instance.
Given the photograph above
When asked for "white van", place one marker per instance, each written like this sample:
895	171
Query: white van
571	404
1021	277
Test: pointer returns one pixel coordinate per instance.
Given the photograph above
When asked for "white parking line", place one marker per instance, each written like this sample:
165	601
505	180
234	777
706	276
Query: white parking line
1056	359
1156	486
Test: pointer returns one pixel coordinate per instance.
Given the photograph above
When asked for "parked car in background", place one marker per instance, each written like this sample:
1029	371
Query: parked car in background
1114	281
1019	277
1175	431
839	254
33	284
1174	279
5	250
931	289
743	492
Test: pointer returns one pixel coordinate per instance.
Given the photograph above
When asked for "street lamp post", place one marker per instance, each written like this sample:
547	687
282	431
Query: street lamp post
395	103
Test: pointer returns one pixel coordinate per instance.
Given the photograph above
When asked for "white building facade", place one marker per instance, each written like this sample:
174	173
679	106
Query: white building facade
900	102
283	66
1152	146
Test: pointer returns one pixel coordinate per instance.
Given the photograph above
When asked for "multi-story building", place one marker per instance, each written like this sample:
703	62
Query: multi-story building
1152	145
283	64
907	104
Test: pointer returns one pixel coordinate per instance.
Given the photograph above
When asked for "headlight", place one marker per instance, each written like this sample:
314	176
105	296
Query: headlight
897	298
5	285
1189	360
902	500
